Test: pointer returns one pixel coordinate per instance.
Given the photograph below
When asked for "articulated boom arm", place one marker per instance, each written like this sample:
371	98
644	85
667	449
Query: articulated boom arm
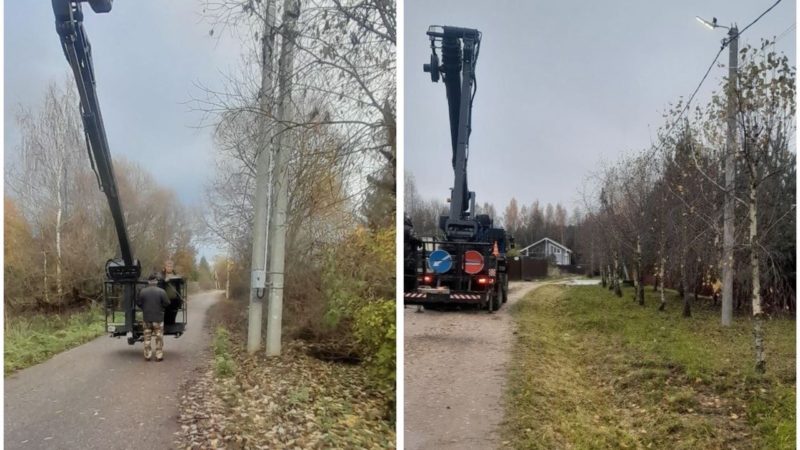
460	48
69	25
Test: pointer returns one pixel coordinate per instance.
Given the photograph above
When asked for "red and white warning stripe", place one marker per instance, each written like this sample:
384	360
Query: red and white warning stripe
452	296
492	272
466	296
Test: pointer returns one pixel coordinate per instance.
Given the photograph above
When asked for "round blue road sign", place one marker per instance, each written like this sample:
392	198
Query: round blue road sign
440	261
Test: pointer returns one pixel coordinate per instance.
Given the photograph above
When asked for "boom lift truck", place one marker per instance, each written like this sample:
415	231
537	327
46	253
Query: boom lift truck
122	274
469	265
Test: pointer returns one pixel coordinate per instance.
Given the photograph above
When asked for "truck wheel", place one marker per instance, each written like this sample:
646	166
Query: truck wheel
501	298
131	341
494	303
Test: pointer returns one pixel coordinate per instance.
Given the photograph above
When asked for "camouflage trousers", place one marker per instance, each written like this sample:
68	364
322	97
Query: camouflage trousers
154	329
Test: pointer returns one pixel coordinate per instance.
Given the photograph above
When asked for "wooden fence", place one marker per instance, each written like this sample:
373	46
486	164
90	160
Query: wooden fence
523	268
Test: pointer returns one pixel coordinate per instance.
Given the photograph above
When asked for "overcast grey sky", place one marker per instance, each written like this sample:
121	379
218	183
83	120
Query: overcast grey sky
148	57
564	84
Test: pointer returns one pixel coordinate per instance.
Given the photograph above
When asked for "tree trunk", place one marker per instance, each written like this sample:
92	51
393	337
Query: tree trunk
59	227
687	304
661	271
687	296
663	305
758	331
612	277
639	273
228	279
603	276
44	284
617	284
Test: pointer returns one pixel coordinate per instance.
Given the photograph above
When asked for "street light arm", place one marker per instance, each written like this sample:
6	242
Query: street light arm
711	25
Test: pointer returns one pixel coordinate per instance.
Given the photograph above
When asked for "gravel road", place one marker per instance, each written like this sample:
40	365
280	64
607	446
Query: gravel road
455	374
103	394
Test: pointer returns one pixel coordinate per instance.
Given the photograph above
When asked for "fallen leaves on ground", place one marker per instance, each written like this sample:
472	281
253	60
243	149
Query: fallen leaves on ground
291	401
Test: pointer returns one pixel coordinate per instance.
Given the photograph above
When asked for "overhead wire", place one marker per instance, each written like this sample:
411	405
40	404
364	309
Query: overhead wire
757	18
785	32
725	43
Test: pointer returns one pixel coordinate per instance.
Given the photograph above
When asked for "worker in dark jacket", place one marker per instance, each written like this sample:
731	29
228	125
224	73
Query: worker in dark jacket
169	280
153	301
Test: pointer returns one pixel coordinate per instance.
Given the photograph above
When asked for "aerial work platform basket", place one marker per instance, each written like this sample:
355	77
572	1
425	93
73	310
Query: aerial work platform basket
123	318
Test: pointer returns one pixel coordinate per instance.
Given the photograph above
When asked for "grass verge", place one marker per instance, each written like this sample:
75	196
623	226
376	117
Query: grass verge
29	340
591	370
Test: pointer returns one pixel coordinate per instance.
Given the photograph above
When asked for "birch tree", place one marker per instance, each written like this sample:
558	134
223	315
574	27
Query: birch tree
766	116
50	154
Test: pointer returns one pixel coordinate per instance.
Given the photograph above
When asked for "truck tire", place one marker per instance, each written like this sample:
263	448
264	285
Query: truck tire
501	296
493	302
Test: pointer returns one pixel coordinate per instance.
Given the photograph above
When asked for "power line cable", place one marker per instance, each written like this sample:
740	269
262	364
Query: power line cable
785	32
756	20
710	66
725	43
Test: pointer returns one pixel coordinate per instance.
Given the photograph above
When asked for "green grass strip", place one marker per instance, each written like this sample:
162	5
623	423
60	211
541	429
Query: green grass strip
591	370
30	340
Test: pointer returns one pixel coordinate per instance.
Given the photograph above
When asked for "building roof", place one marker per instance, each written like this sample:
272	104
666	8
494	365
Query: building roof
549	240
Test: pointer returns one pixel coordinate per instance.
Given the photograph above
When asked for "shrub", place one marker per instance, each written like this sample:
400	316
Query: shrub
359	285
374	329
223	367
221	341
360	270
223	364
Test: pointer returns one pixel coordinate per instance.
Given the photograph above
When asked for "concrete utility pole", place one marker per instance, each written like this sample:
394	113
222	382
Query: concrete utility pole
730	181
280	175
258	261
728	227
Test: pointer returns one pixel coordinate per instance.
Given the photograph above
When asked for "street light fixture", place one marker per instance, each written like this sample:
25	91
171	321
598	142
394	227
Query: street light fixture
711	25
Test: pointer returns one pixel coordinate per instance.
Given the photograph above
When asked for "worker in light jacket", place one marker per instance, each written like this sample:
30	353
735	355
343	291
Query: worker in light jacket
153	301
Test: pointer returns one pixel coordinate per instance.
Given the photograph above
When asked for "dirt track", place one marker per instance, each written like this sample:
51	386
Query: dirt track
455	373
103	395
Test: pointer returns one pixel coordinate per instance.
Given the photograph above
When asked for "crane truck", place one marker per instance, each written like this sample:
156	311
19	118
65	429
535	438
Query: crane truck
123	273
467	265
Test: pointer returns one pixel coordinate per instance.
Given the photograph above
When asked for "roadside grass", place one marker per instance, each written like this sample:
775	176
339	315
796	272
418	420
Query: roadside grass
591	370
292	401
29	340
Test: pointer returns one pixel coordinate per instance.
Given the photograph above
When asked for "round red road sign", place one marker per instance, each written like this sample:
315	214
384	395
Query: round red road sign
473	262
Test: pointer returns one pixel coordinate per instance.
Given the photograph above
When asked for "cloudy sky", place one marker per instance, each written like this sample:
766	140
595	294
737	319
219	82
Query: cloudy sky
563	85
149	57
